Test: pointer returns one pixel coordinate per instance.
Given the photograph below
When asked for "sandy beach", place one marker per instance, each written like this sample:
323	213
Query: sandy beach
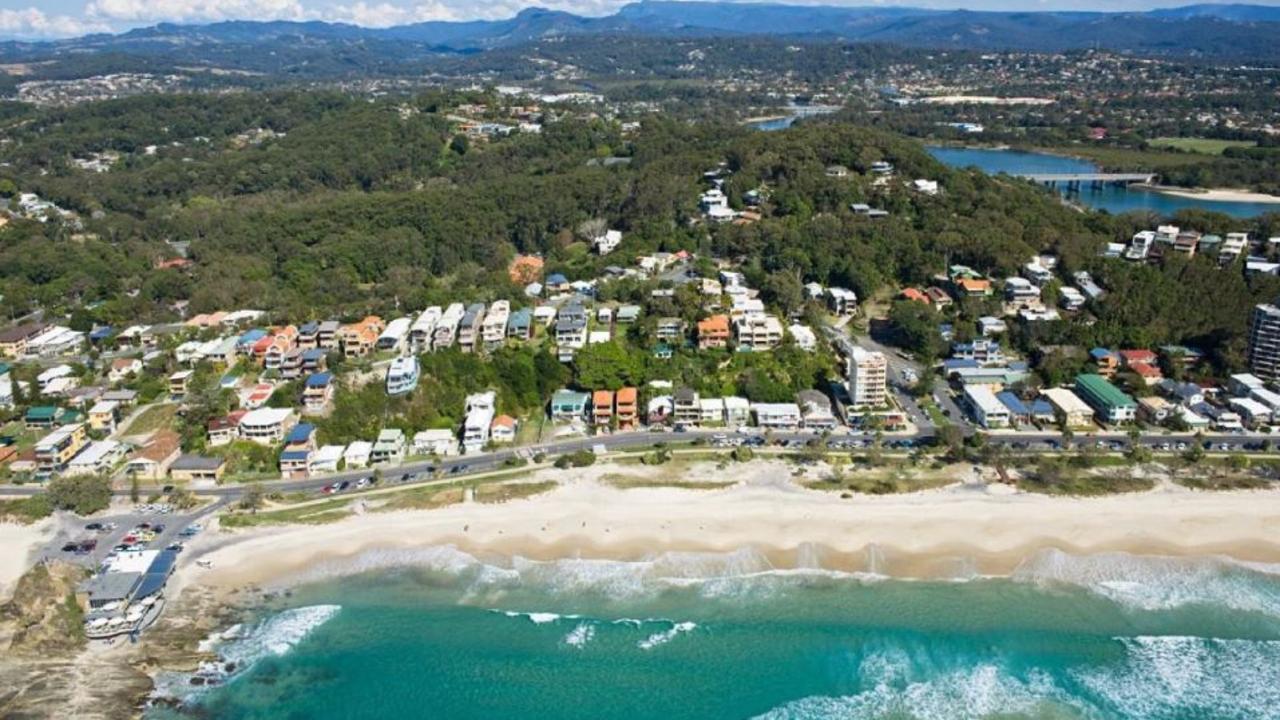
1218	194
19	543
989	528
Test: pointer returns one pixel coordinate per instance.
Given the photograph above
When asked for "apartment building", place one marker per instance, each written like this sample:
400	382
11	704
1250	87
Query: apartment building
867	373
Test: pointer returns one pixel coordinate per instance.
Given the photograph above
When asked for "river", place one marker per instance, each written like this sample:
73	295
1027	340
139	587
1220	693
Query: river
1113	199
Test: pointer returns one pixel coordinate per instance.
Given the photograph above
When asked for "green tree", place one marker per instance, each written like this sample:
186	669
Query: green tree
83	495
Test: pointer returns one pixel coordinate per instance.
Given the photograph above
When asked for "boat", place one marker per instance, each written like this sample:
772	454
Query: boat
402	376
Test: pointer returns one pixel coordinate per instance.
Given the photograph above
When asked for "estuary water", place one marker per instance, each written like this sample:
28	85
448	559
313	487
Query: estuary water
1113	199
438	633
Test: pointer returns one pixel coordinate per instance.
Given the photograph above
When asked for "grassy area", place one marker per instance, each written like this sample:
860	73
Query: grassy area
499	492
25	439
308	514
1201	146
882	481
1124	159
631	482
152	419
1069	483
424	498
1223	481
25	511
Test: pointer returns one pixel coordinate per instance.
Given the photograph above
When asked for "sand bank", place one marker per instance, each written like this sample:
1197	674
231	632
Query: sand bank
1218	194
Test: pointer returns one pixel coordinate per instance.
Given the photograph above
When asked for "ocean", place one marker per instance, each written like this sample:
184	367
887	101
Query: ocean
438	633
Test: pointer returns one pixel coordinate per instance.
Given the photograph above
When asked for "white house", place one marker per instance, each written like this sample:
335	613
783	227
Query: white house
441	442
266	426
357	454
608	242
476	428
779	416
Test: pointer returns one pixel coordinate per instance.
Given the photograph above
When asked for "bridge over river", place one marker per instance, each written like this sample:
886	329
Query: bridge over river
1077	179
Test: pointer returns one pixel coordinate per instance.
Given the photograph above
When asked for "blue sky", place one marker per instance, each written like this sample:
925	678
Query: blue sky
65	18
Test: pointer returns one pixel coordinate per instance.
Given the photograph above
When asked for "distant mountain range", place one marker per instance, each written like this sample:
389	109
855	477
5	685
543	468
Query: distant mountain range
1245	32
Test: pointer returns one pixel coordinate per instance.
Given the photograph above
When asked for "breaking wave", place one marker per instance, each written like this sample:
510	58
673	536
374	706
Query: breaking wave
1158	678
1159	583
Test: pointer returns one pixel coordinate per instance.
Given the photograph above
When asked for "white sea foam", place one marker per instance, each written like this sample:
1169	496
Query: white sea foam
537	618
666	636
241	649
1189	677
580	635
1157	582
905	684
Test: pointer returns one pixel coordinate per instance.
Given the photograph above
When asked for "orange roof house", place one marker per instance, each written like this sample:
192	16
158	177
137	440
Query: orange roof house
626	407
914	294
713	332
359	338
974	286
602	406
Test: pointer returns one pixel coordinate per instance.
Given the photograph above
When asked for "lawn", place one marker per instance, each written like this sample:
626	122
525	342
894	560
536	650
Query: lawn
1200	146
151	419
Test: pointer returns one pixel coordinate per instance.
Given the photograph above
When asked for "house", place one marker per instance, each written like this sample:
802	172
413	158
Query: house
925	187
571	331
669	330
1184	393
493	329
326	459
569	405
913	295
1154	409
103	415
41	417
301	437
389	447
125	398
1107	361
1020	292
938	297
520	324
266	426
713	332
842	301
97	458
423	327
989	325
602	407
309	335
503	429
1037	272
480	409
737	411
973	287
152	461
446	330
357	454
6	387
711	412
295	464
607	243
686	407
626	408
197	469
557	284
986	408
1070	299
317	391
984	352
1112	405
756	333
1068	406
224	430
123	368
13	341
328	335
47	380
439	442
777	416
628	314
358	339
804	338
395	337
1253	413
815	410
179	382
469	328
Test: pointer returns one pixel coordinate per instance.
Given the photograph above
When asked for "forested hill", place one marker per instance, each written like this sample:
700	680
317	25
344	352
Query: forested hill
1209	31
338	206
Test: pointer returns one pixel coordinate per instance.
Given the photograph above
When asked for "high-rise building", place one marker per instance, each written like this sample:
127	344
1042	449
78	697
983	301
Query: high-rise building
1264	342
867	373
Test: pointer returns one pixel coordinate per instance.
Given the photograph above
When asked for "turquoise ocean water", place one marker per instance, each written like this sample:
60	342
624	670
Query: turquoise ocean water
437	633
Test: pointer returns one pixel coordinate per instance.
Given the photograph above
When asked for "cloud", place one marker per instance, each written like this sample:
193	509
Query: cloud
385	14
146	11
34	23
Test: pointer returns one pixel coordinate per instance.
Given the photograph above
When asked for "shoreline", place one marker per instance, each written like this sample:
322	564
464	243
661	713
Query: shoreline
987	530
1213	194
